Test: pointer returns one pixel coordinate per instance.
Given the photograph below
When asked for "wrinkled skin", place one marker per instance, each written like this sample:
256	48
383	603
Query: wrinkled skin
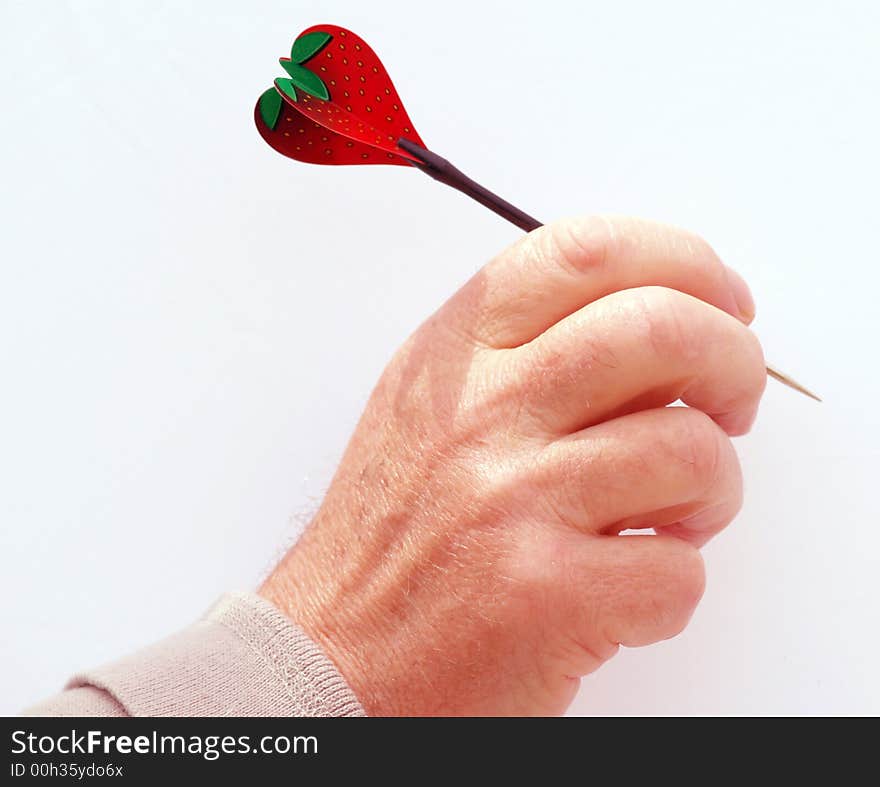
467	558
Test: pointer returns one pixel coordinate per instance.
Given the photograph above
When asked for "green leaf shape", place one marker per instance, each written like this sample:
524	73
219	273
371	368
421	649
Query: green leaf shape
270	107
286	87
306	80
308	46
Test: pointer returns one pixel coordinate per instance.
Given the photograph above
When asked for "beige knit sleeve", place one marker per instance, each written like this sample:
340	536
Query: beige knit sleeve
244	658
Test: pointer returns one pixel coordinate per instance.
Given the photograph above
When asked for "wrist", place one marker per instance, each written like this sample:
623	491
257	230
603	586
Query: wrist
310	589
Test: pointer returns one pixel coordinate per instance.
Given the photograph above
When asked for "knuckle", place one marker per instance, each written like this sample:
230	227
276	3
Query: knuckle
536	370
689	588
702	259
757	366
677	585
553	365
665	317
486	397
746	384
583	244
703	447
523	386
671	608
559	490
701	249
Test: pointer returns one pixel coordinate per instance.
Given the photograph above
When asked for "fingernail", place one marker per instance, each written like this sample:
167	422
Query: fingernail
741	294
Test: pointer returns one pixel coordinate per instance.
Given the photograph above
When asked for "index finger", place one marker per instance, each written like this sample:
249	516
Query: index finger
561	267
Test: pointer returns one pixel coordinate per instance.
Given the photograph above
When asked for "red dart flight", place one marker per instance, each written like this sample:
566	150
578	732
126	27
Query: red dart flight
337	105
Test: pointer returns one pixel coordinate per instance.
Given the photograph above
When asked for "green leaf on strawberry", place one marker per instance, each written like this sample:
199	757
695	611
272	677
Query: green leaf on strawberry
307	81
286	87
308	45
270	107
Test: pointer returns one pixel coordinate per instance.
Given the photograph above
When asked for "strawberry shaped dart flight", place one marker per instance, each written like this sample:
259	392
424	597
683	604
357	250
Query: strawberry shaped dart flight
337	105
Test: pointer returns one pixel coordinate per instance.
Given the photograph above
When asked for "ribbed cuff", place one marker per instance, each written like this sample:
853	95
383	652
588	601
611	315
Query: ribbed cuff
286	650
244	658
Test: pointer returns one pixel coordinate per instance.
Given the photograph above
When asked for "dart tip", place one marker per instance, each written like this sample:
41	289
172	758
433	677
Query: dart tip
793	384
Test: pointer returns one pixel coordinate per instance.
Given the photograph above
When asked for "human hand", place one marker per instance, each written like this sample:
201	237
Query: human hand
467	558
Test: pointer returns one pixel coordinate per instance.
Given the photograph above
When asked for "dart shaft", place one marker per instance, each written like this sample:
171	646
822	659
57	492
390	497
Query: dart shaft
442	170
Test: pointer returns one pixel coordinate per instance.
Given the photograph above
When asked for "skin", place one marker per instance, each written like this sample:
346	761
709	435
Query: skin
467	558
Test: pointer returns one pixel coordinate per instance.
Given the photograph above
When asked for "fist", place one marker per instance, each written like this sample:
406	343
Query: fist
470	556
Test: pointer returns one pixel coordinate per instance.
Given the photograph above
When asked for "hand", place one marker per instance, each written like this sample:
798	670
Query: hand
467	556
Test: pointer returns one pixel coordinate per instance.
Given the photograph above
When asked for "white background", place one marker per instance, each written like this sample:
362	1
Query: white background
190	323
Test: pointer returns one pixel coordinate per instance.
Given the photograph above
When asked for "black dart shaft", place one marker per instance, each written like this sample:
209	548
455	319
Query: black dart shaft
440	169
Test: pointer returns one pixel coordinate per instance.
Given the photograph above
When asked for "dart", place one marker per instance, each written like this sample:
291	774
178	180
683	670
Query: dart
337	106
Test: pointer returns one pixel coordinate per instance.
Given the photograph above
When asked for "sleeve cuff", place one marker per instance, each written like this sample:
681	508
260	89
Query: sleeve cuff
244	658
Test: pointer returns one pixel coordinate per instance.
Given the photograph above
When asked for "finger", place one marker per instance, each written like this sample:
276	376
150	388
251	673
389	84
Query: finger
559	268
635	590
635	350
670	468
